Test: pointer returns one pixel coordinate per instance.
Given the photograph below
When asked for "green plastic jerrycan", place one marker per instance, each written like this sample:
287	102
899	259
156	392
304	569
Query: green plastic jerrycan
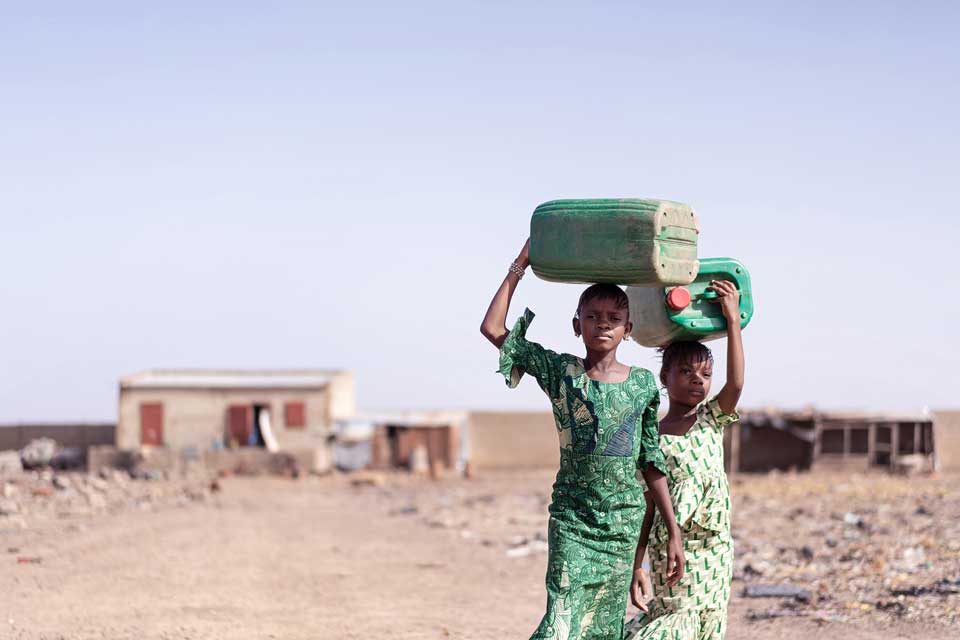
662	315
619	241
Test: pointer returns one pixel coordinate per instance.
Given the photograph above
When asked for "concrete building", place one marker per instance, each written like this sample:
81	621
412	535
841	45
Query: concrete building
210	409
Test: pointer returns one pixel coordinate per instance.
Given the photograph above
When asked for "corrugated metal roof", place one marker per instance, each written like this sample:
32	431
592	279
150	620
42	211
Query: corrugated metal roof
227	379
413	418
811	413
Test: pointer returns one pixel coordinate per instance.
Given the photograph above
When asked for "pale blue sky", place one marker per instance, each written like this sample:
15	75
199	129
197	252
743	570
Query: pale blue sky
293	185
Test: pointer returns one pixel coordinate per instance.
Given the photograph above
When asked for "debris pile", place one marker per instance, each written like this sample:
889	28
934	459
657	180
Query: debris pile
29	498
844	547
828	547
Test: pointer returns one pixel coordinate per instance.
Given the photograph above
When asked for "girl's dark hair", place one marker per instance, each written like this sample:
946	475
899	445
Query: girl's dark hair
603	291
682	352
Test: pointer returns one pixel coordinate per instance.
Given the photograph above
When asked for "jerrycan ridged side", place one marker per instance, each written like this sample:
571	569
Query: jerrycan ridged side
629	241
662	315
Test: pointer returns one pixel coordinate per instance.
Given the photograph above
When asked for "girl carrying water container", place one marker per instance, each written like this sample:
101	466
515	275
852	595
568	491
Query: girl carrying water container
691	440
606	419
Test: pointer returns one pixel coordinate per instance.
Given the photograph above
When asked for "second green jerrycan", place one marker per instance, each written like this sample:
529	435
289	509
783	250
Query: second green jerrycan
619	241
662	315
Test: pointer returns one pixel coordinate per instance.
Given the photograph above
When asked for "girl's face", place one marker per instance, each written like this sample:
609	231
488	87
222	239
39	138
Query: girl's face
689	382
602	325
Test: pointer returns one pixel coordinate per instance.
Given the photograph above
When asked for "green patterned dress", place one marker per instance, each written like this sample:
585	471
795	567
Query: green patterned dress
696	608
607	432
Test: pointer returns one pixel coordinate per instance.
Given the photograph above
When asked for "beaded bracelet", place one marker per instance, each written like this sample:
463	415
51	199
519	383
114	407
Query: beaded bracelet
517	270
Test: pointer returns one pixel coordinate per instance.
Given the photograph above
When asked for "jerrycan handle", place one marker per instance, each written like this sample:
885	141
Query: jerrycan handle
709	294
679	298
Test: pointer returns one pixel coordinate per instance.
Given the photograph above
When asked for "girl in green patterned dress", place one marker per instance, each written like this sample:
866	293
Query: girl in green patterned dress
606	418
691	439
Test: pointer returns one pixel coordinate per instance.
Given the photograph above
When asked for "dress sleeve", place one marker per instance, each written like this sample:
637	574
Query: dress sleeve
519	356
650	453
711	413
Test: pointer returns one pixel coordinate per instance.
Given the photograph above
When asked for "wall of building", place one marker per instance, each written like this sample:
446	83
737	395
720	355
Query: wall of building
765	449
946	439
66	435
498	439
198	417
341	396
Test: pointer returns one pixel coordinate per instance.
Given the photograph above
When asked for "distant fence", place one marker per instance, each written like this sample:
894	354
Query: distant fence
17	436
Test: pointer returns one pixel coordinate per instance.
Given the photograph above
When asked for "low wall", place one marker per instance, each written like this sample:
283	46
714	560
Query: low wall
244	459
17	436
946	439
512	439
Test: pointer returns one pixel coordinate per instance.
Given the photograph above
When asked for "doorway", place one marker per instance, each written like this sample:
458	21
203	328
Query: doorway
249	426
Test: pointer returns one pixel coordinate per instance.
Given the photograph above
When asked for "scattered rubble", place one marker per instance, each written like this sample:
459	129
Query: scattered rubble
827	547
69	459
8	507
10	463
770	614
35	496
941	587
777	591
39	453
862	545
404	511
368	479
527	548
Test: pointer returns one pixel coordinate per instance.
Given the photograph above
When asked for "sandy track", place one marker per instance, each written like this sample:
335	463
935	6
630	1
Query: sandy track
316	558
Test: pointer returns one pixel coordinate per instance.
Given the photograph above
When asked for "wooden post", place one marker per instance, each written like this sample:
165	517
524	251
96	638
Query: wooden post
917	435
872	444
933	447
894	444
817	440
846	441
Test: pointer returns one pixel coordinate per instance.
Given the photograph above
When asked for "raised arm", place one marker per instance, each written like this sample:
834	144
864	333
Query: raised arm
728	297
494	326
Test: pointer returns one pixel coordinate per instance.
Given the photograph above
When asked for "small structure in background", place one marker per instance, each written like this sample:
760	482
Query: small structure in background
204	413
433	443
71	441
352	447
770	439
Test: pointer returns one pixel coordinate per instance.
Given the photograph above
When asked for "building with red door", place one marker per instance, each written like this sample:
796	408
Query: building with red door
212	409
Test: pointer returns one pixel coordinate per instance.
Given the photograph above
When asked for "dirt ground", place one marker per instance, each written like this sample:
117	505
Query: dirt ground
400	557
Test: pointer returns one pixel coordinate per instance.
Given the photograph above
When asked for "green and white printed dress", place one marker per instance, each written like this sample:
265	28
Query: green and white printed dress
696	608
607	432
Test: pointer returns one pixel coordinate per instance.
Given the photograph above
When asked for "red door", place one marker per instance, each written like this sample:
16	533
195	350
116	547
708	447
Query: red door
240	420
151	423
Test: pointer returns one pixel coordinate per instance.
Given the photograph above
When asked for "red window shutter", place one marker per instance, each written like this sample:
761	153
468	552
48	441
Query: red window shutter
151	423
295	415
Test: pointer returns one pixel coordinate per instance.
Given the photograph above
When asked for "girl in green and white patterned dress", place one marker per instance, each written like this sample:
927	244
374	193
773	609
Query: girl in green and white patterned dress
606	418
691	439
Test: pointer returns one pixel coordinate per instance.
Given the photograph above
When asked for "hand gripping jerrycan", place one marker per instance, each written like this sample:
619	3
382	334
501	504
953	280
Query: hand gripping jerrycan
619	241
662	315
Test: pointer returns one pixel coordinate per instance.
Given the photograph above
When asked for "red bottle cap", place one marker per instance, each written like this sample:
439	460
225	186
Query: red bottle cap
678	298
